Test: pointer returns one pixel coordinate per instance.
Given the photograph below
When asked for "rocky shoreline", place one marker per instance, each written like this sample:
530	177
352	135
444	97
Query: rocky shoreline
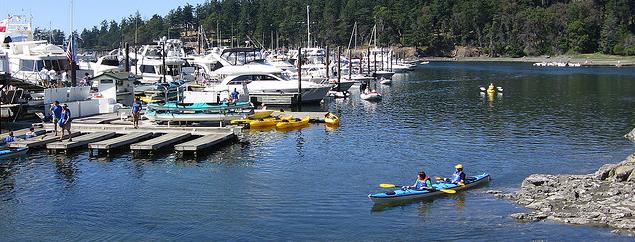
605	198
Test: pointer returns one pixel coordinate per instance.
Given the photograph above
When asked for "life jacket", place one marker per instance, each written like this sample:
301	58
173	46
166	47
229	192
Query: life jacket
456	177
422	183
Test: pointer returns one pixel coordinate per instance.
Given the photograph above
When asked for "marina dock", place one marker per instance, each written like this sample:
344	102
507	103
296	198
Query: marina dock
39	141
207	141
159	142
121	141
79	141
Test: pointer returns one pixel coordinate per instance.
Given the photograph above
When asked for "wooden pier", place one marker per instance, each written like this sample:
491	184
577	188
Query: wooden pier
121	141
207	141
39	141
79	142
159	142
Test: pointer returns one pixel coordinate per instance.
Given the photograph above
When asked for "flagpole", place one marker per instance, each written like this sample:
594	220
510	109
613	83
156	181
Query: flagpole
72	54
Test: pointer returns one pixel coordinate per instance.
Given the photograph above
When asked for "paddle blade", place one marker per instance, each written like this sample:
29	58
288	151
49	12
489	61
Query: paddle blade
386	185
438	178
461	183
448	191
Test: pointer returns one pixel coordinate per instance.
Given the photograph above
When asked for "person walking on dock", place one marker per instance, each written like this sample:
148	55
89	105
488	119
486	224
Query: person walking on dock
136	112
65	122
56	110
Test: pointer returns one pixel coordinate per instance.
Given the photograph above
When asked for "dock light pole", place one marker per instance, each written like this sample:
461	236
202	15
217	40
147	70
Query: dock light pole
339	67
328	67
299	78
127	60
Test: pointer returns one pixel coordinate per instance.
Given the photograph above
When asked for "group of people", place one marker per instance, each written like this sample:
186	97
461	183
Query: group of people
424	182
11	137
61	118
52	78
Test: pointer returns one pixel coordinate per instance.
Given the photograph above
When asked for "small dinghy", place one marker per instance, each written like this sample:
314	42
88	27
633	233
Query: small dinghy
370	96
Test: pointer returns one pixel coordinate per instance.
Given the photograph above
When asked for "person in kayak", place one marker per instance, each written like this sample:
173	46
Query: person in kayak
458	177
423	182
9	138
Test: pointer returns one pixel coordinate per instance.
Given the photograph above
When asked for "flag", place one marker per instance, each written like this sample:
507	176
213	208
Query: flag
71	53
3	25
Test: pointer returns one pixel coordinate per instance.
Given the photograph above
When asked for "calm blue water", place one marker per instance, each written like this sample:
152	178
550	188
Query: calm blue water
312	184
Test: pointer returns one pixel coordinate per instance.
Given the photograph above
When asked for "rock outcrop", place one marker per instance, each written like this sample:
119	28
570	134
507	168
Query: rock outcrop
631	135
605	198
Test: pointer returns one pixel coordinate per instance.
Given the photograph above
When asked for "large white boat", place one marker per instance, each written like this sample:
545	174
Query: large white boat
151	59
258	82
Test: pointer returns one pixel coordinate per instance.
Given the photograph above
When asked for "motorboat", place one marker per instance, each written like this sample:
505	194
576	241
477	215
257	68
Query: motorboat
152	57
258	82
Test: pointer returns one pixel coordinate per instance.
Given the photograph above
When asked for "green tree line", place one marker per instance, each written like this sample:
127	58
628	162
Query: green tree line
494	27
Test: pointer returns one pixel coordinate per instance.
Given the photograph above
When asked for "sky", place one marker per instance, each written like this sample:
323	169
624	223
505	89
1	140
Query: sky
87	13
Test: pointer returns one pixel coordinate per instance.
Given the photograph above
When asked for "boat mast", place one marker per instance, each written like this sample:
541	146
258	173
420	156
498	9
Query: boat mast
72	50
308	27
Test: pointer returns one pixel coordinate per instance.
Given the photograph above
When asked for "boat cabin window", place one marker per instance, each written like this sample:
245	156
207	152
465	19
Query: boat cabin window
264	78
57	65
147	69
246	79
110	62
173	70
26	65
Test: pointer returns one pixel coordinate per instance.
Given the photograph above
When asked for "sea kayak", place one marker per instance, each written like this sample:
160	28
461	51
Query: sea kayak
12	153
408	194
332	119
290	124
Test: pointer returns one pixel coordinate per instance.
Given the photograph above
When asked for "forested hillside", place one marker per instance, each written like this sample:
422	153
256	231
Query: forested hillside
494	27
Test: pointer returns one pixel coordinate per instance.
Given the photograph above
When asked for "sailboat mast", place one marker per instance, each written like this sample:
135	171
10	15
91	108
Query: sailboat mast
308	27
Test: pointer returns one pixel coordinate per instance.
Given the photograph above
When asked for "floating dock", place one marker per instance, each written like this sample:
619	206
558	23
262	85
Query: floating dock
39	141
121	141
79	141
207	141
159	142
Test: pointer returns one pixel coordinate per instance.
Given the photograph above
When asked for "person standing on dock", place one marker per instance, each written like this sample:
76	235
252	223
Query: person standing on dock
56	110
65	122
136	112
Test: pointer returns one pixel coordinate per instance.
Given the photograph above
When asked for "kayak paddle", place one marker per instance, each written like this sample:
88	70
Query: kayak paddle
388	185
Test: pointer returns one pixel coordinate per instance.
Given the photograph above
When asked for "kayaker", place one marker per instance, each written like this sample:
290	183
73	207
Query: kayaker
136	112
56	109
458	176
30	134
422	182
65	122
491	87
9	138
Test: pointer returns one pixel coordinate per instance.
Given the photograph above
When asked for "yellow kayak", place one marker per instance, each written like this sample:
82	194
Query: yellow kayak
260	114
262	123
289	124
331	119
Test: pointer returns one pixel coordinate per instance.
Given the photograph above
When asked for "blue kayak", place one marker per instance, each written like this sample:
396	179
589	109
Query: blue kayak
408	194
12	153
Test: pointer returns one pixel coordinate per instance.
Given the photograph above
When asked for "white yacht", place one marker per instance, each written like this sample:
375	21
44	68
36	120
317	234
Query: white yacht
150	62
107	63
258	82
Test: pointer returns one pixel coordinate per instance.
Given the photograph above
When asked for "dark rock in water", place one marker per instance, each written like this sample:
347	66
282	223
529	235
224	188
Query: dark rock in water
605	198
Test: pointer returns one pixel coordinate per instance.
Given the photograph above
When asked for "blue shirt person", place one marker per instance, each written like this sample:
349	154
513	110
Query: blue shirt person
458	176
9	138
234	95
